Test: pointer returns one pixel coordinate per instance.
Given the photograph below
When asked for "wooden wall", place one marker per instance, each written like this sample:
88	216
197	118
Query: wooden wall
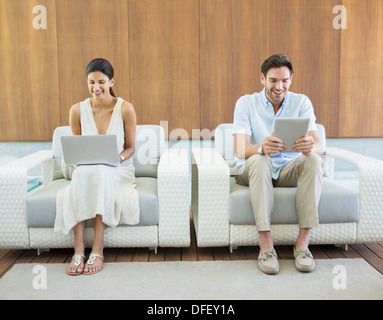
29	69
184	63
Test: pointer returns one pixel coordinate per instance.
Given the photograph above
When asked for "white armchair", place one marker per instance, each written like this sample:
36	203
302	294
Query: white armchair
222	211
162	179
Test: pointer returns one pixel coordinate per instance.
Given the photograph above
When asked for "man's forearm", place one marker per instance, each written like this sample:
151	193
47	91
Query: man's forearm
247	150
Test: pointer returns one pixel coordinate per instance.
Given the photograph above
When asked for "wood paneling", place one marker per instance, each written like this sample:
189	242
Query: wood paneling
303	30
361	70
186	62
164	62
29	109
234	43
90	29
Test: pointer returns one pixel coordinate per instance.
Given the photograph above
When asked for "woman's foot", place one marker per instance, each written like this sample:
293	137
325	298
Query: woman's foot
76	266
94	264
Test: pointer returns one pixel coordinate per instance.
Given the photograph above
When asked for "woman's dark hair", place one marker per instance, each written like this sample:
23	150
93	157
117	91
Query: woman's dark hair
103	66
277	61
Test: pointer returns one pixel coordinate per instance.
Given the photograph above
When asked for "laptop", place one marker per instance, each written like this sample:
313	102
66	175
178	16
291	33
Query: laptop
90	150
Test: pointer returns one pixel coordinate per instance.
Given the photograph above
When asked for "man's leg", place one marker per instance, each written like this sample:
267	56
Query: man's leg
305	172
257	175
303	239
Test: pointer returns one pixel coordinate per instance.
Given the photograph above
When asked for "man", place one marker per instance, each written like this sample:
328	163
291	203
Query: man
262	163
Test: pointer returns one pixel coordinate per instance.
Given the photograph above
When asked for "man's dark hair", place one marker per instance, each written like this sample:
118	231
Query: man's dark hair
277	61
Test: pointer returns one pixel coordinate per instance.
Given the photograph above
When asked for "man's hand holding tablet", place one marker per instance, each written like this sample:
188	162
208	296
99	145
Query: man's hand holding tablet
290	135
304	145
273	145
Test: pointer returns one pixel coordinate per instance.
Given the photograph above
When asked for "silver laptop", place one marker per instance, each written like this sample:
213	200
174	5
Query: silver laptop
90	150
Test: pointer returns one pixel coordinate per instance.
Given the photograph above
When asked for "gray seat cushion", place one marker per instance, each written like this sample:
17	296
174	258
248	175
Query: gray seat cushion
337	204
41	206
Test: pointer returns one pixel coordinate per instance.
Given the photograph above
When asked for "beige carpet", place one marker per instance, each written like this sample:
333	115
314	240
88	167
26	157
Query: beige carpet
332	279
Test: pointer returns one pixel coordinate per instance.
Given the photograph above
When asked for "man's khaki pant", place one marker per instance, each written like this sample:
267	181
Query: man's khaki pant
303	172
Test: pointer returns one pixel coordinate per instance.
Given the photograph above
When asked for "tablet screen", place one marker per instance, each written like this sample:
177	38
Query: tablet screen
289	130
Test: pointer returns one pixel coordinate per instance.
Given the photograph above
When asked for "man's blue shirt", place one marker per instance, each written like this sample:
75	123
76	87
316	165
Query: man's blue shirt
254	115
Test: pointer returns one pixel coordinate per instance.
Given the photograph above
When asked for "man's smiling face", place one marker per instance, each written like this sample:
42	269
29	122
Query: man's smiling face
277	82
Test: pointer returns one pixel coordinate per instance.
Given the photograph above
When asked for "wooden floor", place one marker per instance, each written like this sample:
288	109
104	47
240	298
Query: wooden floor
372	253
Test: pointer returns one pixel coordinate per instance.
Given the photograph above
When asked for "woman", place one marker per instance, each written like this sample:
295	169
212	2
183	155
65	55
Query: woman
103	193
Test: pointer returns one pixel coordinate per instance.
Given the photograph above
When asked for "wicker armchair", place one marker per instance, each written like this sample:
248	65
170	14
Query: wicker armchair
27	218
222	211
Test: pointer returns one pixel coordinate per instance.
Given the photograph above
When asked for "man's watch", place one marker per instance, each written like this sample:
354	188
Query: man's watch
260	150
122	157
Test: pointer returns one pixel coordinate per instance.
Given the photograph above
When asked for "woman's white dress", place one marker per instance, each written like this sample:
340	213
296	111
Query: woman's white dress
99	189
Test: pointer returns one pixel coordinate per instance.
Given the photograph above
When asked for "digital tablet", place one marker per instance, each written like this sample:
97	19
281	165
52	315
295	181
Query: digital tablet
289	130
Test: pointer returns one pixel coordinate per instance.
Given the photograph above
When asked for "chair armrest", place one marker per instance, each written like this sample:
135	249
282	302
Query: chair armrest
173	197
210	197
13	193
31	161
370	224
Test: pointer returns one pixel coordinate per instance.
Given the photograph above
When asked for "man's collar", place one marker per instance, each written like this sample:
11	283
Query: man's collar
265	102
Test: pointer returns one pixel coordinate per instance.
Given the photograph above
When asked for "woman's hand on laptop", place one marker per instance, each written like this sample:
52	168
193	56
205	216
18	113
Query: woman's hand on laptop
121	158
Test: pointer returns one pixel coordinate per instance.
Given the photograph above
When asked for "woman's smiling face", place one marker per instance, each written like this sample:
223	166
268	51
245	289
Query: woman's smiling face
99	84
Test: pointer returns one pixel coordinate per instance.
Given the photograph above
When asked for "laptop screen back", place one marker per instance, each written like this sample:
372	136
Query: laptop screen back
90	149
